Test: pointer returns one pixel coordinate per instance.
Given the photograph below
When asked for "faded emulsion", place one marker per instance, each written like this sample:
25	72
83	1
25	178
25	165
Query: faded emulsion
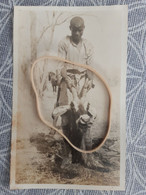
71	98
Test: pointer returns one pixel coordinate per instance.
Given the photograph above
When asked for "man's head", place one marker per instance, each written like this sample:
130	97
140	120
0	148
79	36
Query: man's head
77	26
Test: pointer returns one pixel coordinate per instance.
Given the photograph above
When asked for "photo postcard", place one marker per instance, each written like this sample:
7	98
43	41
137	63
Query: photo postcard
71	98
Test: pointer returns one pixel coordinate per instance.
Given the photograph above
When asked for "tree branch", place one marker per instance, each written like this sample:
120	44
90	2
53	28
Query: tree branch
44	32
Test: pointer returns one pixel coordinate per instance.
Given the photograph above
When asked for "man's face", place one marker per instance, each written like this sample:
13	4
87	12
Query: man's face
76	33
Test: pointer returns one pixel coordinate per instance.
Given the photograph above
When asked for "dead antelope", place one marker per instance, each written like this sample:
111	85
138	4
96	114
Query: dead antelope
77	119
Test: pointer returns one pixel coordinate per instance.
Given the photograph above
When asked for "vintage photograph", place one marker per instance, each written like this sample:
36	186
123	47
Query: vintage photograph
71	98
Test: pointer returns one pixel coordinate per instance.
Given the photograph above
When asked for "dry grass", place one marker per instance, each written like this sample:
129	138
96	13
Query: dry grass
40	160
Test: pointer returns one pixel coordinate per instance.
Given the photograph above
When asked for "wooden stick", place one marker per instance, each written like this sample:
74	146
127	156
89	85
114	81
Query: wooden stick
50	124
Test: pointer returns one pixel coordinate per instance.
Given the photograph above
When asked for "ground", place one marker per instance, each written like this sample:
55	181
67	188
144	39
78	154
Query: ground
40	161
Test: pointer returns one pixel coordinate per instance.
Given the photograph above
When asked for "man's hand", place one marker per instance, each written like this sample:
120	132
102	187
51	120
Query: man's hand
90	84
89	75
63	72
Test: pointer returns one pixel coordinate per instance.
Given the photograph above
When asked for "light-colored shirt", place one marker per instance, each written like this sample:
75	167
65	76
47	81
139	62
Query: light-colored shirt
81	53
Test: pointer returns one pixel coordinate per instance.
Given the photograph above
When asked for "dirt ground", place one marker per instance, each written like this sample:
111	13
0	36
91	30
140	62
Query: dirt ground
41	160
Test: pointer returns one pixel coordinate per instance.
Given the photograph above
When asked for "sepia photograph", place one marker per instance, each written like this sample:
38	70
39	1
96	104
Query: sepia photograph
87	110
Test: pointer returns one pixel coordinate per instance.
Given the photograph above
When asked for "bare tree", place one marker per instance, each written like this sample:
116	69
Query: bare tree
57	18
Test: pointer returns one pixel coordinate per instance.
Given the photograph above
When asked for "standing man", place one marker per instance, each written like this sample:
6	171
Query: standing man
72	78
75	49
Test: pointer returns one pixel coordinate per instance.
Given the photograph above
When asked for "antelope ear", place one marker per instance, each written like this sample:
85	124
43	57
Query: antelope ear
86	105
58	111
92	112
74	105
